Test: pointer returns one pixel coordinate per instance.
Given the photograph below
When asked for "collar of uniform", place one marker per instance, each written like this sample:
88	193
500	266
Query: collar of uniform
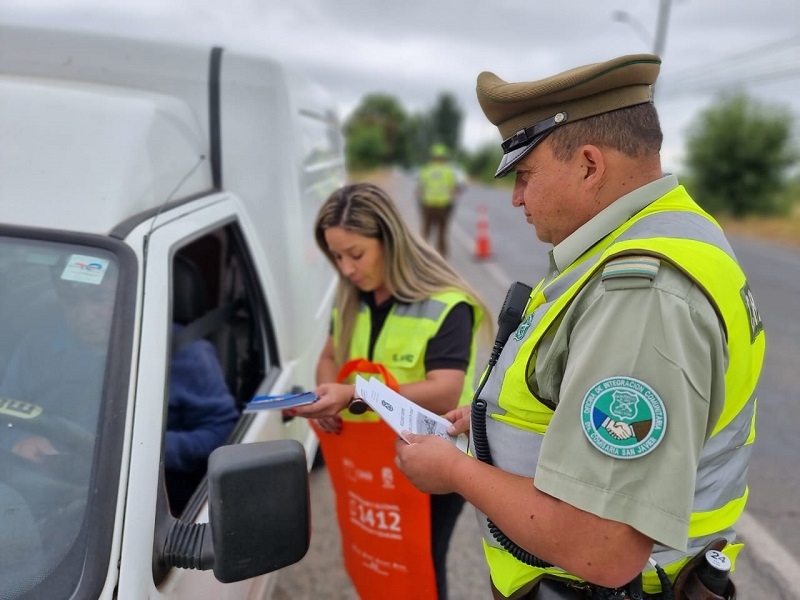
607	220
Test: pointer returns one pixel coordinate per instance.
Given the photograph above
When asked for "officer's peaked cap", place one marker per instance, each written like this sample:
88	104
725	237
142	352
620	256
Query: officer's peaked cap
526	112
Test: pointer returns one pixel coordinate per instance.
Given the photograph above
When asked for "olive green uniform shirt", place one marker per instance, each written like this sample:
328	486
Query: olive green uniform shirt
663	332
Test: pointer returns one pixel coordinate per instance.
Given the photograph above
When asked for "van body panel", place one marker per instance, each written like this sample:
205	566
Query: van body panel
161	145
124	135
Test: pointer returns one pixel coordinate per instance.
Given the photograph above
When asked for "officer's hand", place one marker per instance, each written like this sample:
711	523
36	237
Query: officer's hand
428	461
460	419
34	448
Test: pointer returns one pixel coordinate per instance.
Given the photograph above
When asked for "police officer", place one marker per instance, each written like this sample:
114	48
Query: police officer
438	186
619	418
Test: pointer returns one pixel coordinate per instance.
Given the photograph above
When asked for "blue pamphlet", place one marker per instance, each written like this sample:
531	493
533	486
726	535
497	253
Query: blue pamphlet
281	401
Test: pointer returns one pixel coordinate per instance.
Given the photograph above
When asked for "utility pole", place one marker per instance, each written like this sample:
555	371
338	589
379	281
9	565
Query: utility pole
660	39
661	27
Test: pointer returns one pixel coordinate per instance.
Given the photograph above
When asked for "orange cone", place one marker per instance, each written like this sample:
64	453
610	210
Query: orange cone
483	243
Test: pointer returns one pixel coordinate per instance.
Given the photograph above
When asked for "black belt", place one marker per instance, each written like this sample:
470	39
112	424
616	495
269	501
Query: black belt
558	589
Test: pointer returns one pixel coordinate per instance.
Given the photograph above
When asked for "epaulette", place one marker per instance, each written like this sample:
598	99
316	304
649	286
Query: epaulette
632	266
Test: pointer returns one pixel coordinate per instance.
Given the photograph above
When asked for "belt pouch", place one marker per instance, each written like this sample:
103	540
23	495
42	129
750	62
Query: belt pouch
688	585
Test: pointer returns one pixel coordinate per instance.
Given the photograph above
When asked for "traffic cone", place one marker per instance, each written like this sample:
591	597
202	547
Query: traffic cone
483	243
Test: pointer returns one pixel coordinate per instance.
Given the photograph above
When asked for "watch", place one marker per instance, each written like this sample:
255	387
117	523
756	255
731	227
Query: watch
357	406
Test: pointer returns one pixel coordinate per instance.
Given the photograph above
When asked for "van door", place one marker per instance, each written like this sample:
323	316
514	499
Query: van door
203	284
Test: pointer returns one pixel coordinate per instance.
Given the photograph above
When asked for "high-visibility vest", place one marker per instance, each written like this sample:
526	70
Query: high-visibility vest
676	230
405	334
438	183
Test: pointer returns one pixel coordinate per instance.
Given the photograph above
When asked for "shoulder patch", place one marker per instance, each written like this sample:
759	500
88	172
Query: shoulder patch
632	266
623	417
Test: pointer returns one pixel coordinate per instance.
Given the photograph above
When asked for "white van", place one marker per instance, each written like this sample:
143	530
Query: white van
194	175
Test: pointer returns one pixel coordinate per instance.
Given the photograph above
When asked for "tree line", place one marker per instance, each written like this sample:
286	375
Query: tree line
741	155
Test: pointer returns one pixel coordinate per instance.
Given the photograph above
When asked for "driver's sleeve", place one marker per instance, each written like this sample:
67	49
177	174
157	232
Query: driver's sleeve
202	412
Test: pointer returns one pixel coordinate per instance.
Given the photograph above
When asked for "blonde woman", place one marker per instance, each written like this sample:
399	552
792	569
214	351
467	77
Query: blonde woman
402	311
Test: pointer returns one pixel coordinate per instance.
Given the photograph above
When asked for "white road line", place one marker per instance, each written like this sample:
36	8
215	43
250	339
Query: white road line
768	551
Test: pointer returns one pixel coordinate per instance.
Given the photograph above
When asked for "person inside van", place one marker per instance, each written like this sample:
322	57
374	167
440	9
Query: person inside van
201	415
60	367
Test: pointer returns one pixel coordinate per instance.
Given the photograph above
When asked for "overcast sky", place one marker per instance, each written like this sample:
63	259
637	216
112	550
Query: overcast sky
417	49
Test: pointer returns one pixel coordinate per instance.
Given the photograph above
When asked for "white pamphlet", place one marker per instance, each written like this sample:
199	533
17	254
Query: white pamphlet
401	414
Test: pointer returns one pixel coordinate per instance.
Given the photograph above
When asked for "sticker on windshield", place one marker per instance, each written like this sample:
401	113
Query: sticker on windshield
85	269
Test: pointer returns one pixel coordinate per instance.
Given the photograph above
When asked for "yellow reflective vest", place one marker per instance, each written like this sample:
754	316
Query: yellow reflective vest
676	230
404	337
438	183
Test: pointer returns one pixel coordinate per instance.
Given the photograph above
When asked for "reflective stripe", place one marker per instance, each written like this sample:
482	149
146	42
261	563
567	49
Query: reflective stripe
691	226
514	454
706	523
722	470
672	559
429	309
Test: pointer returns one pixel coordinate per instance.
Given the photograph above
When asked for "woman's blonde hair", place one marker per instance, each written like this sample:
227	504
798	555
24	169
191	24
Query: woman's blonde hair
413	270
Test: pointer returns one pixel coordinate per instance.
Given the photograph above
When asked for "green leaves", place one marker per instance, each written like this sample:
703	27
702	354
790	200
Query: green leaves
739	155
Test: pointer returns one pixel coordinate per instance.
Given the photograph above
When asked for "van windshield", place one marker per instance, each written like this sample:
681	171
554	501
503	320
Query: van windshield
57	304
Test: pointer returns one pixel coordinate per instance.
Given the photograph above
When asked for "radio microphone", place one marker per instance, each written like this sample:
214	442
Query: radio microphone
510	316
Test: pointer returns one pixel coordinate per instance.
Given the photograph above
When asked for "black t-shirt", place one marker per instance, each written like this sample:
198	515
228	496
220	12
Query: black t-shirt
448	349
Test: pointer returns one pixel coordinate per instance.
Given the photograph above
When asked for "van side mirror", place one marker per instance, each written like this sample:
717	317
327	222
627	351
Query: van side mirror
259	507
259	513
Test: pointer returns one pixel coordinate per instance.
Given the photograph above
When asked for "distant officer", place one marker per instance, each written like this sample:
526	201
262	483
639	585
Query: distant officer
438	187
611	441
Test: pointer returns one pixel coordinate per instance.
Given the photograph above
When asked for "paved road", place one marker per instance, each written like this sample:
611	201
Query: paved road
771	526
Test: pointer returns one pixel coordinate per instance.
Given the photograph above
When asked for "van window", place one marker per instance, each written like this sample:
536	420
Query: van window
222	349
58	305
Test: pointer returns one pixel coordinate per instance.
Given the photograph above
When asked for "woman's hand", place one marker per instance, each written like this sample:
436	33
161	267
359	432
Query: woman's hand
333	399
329	424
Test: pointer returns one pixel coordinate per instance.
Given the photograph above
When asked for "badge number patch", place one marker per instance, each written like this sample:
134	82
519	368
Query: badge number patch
623	417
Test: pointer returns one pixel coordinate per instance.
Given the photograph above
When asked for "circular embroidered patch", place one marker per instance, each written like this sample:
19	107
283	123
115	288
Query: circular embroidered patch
523	327
623	417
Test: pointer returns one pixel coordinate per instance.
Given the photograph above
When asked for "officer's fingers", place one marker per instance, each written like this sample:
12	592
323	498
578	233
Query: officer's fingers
459	427
411	438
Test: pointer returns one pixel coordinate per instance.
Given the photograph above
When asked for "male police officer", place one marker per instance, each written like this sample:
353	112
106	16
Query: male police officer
619	418
438	187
